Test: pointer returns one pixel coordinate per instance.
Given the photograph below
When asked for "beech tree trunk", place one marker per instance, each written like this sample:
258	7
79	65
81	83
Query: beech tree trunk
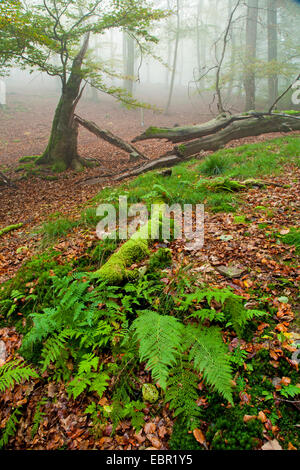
61	151
272	49
251	39
215	134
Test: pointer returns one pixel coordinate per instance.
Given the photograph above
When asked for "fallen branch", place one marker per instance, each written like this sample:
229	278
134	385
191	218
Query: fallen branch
6	180
185	133
111	138
10	228
253	126
163	162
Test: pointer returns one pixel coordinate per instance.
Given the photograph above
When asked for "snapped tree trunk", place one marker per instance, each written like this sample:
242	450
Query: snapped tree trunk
61	151
214	135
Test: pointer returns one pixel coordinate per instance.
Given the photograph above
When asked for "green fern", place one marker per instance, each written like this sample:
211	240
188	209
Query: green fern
10	428
238	315
88	378
210	357
15	372
160	343
219	295
38	415
182	393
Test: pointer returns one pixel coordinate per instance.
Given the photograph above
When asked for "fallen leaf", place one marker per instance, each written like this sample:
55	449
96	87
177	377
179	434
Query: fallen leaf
272	445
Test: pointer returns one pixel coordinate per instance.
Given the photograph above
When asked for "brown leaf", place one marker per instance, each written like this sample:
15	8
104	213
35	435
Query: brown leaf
248	418
150	428
272	445
199	436
262	417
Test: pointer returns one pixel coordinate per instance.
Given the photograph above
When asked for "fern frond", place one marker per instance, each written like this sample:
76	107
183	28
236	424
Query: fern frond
219	295
182	393
15	372
210	357
160	343
100	384
239	316
10	428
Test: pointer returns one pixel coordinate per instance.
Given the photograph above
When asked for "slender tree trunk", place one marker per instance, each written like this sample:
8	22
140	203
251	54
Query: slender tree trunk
272	49
61	151
174	60
232	55
128	52
250	56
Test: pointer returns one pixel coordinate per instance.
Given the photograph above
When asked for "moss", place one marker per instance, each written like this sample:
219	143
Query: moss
182	438
29	158
161	259
9	228
59	166
150	393
156	130
114	271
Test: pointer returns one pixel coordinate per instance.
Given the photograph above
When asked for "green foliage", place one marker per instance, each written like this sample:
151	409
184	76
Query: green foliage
161	259
239	316
210	357
10	228
38	416
159	343
55	229
14	372
74	322
182	438
89	377
182	393
215	164
10	428
292	238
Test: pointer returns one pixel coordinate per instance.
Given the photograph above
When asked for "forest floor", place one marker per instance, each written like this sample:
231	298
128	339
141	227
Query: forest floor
251	251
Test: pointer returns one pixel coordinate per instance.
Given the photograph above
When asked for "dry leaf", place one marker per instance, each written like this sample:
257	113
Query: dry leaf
199	436
272	445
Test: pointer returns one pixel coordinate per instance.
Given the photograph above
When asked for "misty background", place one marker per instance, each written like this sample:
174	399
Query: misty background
262	46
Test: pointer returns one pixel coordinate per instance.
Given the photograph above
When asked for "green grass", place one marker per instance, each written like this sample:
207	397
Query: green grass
254	160
186	185
54	229
292	238
214	165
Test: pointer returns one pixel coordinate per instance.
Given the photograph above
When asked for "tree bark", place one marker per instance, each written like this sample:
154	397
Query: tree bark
171	89
128	57
235	127
272	49
182	134
250	56
61	151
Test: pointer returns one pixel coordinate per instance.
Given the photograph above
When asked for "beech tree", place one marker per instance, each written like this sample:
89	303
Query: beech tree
67	27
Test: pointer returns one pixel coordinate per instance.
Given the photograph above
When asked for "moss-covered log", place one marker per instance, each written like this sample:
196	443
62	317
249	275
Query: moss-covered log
10	228
240	126
271	123
186	133
253	126
115	270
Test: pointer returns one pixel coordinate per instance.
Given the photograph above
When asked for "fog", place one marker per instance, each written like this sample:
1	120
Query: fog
180	70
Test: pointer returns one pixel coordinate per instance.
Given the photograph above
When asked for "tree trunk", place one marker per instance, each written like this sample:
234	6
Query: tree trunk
251	39
128	53
272	49
228	129
61	151
174	60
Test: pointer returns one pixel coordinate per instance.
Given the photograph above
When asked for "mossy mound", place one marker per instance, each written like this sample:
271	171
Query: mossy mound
115	270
